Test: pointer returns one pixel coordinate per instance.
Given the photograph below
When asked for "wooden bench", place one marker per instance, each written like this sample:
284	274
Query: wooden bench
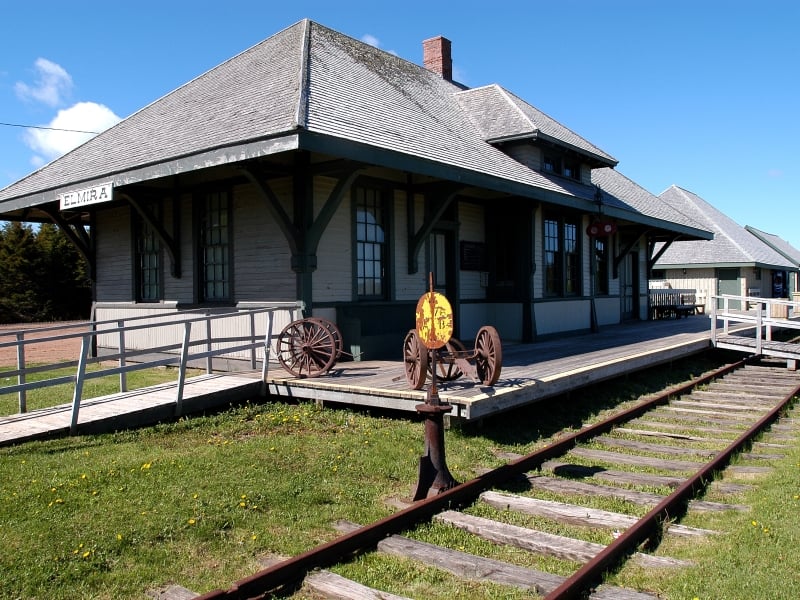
671	303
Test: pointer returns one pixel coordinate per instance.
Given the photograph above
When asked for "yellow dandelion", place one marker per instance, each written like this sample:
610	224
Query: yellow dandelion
86	554
242	504
146	466
119	537
83	475
192	521
754	523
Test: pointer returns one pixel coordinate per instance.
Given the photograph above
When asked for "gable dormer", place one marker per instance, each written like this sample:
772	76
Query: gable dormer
530	136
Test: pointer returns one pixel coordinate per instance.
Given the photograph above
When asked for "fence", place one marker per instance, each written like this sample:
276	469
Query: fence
762	313
183	338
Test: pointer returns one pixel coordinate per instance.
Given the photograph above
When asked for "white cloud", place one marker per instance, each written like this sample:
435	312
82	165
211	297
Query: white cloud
52	84
371	40
81	117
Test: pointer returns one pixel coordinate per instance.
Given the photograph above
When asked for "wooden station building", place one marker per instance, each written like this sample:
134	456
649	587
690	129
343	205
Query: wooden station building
315	167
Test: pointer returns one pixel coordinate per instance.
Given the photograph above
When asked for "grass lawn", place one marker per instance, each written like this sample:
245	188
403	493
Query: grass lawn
199	501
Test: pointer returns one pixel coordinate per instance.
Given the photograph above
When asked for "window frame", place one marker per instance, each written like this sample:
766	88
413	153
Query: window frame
378	197
601	265
143	232
563	267
225	243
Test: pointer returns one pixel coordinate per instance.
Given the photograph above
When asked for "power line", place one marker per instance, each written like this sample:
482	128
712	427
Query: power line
49	128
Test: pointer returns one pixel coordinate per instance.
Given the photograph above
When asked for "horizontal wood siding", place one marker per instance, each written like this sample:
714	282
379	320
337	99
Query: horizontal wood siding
114	261
261	257
333	279
471	221
159	334
564	315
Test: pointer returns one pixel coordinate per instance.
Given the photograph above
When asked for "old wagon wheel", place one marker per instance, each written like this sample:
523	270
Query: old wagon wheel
488	355
306	348
447	369
415	359
335	332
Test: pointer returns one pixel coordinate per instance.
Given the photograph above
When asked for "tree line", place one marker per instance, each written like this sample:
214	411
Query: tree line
43	277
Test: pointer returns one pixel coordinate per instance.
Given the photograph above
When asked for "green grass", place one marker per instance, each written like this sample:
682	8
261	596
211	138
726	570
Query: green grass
199	501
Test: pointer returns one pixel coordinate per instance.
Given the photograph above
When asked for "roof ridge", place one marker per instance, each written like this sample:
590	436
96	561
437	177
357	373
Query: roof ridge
301	114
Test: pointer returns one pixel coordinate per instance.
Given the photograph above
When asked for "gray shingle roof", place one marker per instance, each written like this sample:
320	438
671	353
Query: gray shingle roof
500	115
309	83
778	244
732	244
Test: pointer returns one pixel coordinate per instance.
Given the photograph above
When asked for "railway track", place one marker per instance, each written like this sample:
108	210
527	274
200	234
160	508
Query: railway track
680	439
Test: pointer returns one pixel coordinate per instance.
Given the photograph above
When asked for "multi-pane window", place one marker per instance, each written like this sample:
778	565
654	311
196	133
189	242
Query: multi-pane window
215	248
148	262
600	266
561	165
371	243
562	258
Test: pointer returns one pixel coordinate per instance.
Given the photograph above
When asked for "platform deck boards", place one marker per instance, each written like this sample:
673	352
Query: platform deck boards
531	372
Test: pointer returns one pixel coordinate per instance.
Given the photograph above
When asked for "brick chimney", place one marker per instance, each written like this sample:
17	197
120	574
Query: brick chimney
436	57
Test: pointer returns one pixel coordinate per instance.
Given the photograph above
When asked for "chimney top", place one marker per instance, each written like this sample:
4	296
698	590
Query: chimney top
436	56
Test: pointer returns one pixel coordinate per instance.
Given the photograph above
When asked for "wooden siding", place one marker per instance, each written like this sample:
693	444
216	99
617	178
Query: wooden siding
471	221
114	255
407	286
703	281
261	258
562	315
333	279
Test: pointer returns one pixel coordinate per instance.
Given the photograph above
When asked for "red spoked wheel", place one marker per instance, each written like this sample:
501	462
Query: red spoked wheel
488	355
306	348
335	332
446	367
415	360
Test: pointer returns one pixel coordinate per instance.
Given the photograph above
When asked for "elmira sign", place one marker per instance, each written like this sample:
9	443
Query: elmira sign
92	195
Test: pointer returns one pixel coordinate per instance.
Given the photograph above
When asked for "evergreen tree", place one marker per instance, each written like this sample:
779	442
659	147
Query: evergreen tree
43	277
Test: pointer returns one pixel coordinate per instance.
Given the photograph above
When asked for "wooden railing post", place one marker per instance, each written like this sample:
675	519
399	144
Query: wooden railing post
86	346
187	338
23	402
759	334
209	359
253	352
123	376
267	344
713	321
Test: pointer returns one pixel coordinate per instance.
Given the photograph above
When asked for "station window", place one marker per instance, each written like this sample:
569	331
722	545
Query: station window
147	260
371	243
552	162
214	248
562	258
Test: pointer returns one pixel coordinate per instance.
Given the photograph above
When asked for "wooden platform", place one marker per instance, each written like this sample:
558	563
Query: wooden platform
531	372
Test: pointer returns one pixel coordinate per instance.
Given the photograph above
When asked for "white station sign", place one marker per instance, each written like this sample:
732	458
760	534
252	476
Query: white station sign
91	195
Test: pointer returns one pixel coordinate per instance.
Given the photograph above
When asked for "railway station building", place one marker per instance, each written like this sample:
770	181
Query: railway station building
739	261
315	167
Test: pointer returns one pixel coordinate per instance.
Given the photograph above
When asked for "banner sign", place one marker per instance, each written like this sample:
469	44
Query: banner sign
92	195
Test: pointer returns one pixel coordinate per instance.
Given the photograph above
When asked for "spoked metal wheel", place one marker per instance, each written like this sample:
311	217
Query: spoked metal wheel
488	355
306	348
335	332
446	367
415	360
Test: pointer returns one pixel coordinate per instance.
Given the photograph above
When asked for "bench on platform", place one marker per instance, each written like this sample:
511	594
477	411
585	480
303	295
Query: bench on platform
674	303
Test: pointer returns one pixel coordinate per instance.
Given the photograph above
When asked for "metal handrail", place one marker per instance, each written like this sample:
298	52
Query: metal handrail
183	352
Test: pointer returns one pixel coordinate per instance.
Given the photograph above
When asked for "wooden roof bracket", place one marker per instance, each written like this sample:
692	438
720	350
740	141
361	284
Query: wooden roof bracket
652	261
169	242
445	194
300	242
626	250
77	235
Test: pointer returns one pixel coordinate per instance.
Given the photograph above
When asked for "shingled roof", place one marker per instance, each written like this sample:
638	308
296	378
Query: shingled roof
310	87
778	244
732	245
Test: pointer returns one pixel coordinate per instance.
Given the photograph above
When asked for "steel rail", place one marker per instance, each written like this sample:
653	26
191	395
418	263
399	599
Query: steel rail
292	570
673	505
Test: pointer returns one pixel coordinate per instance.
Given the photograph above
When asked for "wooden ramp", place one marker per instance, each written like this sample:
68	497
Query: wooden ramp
144	406
531	372
748	324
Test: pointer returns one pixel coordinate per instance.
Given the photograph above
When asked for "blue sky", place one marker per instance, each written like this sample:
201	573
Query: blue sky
703	94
